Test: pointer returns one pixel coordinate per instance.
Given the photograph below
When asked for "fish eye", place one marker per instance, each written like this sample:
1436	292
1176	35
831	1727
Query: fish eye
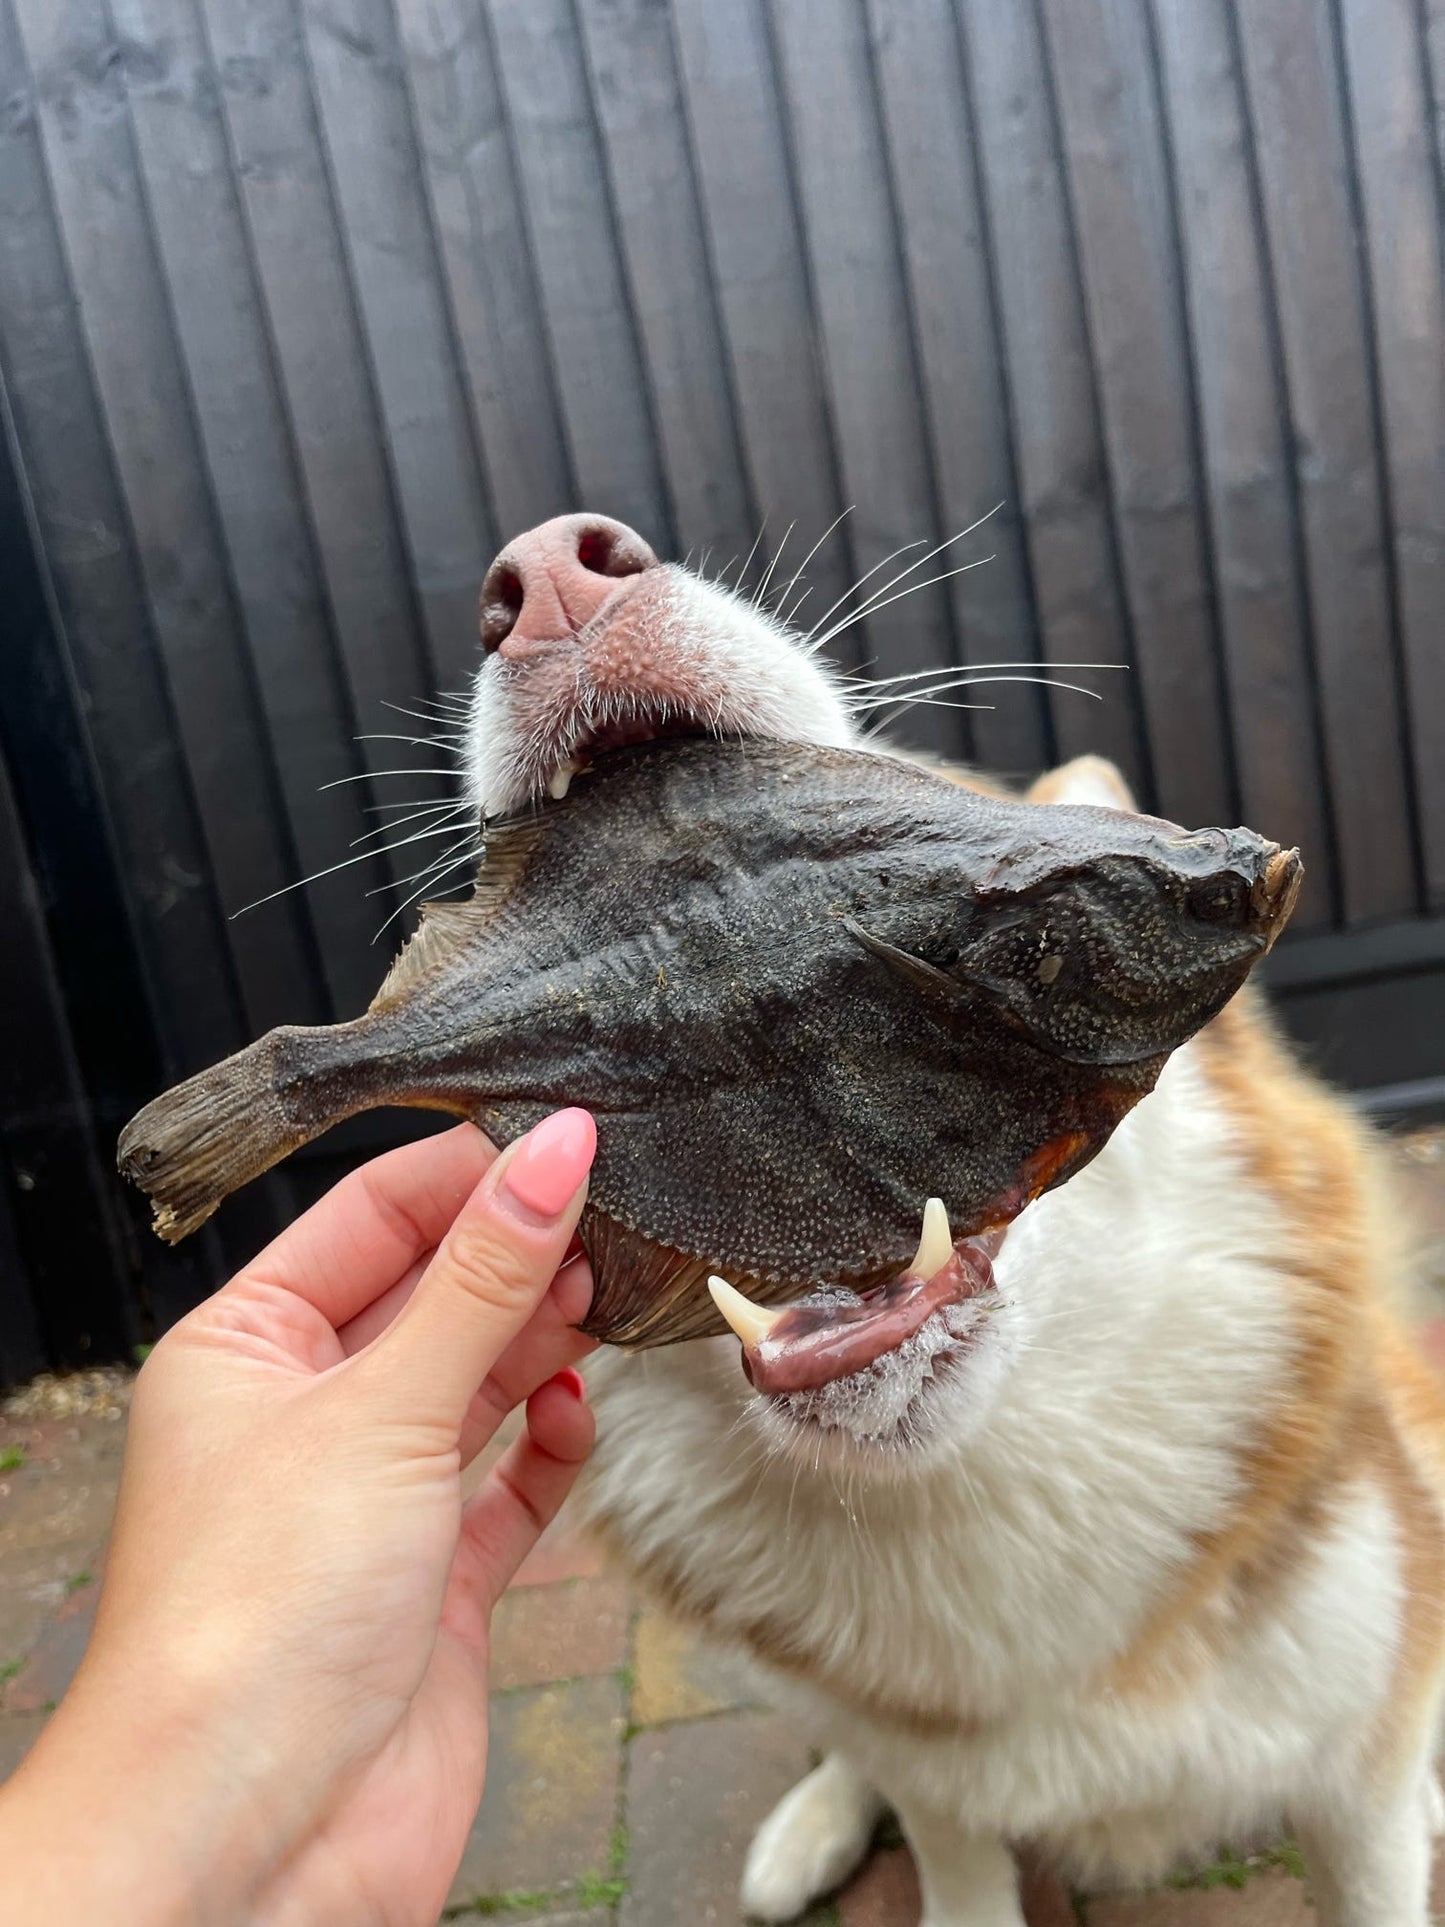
1219	899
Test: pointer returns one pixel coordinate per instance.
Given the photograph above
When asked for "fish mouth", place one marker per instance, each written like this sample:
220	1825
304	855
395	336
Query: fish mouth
834	1334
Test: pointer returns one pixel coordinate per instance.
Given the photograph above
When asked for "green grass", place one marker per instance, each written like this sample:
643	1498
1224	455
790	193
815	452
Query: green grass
140	1353
617	1848
593	1891
12	1458
1237	1870
77	1580
10	1668
514	1901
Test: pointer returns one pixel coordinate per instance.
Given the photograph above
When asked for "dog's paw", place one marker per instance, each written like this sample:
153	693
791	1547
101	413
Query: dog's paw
811	1841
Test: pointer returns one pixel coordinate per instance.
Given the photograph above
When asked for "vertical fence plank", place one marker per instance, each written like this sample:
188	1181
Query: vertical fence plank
594	343
756	244
81	521
1433	22
300	263
1114	154
1247	481
366	124
1292	86
873	391
181	147
1056	433
941	222
628	45
477	211
78	72
1398	163
61	1203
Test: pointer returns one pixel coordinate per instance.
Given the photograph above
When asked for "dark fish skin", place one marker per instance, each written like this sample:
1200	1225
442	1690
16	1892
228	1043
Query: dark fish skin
801	989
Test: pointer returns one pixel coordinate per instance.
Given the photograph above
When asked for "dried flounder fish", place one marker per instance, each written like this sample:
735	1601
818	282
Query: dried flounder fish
803	991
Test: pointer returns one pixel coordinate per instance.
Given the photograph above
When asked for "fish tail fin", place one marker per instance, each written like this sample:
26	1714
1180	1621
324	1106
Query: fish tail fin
192	1146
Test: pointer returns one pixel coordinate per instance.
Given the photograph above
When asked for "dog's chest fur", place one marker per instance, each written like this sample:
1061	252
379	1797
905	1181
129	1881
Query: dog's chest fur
1109	1596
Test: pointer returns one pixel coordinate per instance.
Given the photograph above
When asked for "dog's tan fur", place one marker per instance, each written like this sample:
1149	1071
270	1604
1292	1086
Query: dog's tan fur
1165	1566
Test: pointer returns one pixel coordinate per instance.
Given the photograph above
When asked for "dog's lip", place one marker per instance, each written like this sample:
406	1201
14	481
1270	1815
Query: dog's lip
830	1335
652	723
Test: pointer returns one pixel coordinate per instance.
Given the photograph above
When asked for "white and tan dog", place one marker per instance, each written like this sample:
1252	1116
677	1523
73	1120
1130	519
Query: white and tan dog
1158	1562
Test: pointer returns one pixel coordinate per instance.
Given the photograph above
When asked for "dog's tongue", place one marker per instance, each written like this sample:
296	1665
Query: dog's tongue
832	1332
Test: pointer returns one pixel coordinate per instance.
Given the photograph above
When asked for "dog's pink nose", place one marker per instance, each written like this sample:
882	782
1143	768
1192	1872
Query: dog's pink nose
550	582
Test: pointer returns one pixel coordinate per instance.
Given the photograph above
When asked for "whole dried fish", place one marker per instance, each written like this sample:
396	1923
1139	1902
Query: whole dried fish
801	989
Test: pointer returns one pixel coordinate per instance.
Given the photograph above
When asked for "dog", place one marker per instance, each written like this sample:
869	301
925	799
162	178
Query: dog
1155	1561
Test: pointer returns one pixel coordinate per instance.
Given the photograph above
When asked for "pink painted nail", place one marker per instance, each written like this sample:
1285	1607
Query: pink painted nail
544	1171
571	1382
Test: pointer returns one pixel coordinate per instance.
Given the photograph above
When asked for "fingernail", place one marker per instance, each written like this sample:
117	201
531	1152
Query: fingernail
544	1171
572	1382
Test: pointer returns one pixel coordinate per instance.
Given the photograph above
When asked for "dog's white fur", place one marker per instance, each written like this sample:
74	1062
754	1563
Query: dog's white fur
962	1623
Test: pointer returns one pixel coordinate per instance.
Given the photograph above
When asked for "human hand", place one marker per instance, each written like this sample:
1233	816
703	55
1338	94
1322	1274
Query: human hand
282	1715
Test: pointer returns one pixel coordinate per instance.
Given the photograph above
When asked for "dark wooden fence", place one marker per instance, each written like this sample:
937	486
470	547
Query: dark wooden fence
306	305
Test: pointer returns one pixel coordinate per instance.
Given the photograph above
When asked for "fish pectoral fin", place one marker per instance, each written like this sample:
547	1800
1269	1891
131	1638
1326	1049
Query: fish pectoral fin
447	930
915	971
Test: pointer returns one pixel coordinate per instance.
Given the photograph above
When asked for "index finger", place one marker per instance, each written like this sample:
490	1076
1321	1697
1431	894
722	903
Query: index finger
372	1227
487	1277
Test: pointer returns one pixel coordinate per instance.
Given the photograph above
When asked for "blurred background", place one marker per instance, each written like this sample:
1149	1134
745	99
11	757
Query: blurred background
306	306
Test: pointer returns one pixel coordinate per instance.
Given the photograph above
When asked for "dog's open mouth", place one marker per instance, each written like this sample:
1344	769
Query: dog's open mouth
646	725
834	1333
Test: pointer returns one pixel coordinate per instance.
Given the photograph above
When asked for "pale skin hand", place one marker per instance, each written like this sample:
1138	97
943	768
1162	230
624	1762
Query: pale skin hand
282	1715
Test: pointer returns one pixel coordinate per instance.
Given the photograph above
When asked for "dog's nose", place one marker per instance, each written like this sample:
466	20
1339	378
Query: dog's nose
550	582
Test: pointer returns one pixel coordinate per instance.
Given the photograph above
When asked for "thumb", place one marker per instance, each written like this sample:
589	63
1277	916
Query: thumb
487	1277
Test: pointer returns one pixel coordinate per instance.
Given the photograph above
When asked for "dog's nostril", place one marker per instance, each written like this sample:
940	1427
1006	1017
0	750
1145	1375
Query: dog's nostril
501	604
548	584
613	550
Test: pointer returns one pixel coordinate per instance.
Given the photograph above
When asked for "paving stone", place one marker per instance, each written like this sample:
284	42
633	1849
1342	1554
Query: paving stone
55	1656
551	1800
883	1893
18	1733
695	1792
562	1552
55	1516
680	1678
1267	1900
545	1633
1044	1897
595	1918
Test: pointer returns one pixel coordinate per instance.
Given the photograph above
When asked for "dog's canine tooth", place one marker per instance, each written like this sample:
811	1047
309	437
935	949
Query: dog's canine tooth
561	781
751	1322
935	1246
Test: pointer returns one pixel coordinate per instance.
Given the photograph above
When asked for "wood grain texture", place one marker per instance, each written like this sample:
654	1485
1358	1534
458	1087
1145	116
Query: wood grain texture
1248	481
300	267
80	79
245	443
1401	188
366	125
1062	482
866	337
930	140
81	521
754	241
1293	86
595	349
635	88
1123	215
496	305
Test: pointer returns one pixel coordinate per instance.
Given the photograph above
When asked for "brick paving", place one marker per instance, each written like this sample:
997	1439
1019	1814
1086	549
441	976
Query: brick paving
628	1767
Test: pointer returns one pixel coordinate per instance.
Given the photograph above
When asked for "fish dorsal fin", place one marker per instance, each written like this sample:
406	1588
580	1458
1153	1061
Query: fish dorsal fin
446	929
